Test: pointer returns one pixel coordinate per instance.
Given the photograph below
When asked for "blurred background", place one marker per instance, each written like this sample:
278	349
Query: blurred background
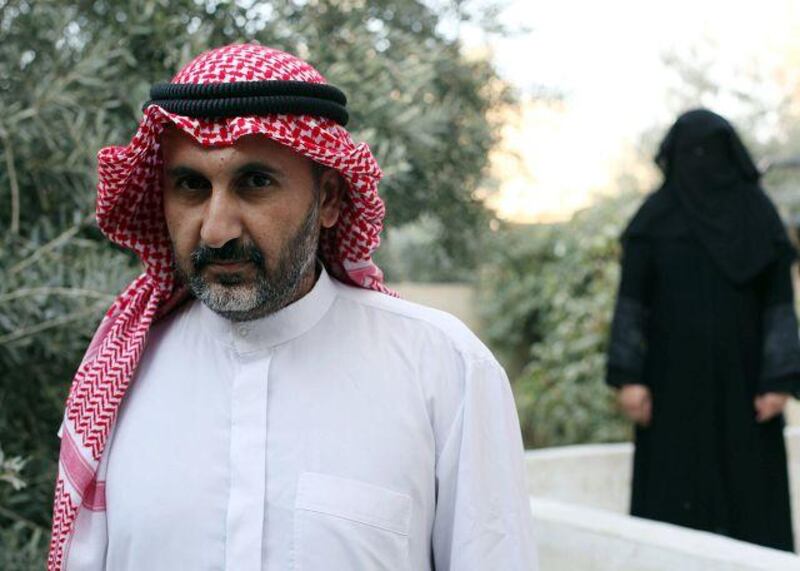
516	138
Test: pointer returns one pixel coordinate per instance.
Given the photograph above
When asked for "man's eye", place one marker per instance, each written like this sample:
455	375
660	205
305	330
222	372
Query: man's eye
256	180
192	183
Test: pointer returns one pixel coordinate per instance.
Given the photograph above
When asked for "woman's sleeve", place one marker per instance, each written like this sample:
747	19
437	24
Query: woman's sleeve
780	369
628	343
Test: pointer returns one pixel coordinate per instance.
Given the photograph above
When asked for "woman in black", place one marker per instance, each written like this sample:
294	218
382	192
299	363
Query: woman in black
704	347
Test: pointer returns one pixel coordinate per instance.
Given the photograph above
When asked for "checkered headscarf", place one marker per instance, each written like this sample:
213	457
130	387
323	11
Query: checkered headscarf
129	212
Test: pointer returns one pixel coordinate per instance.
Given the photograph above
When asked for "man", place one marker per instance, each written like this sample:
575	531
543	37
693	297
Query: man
256	400
704	347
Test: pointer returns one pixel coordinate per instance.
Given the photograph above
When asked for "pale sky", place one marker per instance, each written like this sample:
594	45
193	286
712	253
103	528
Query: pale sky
605	57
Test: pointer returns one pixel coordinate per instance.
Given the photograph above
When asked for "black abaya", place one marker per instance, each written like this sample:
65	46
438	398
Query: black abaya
706	345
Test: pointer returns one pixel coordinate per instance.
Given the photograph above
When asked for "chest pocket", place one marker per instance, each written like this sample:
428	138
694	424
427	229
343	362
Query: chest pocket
346	524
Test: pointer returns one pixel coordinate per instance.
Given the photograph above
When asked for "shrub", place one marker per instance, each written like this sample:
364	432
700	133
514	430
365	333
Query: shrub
547	294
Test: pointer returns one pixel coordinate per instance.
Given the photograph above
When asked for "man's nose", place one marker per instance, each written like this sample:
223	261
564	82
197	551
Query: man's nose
221	221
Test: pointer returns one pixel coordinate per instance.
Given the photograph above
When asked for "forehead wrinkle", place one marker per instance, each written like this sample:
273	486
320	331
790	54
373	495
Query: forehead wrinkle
181	170
252	152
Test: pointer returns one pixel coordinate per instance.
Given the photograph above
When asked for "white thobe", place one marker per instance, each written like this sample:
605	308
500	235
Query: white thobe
348	431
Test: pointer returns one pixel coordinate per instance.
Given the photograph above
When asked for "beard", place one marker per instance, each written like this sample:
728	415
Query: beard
239	297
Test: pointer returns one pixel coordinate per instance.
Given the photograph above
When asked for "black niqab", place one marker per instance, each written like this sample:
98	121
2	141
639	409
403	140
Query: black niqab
710	175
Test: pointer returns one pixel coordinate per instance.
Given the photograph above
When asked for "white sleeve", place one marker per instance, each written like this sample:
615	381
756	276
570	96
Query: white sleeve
483	519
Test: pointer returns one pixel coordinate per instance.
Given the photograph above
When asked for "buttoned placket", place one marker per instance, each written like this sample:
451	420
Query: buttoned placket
248	451
253	346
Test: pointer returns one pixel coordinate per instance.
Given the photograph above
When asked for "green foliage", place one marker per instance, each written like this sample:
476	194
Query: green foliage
547	295
73	76
10	470
23	539
55	288
23	547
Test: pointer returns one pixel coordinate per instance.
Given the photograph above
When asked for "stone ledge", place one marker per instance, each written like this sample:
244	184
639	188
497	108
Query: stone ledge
571	537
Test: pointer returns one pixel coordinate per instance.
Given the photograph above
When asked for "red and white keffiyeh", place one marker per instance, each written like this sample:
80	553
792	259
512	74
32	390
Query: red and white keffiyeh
129	212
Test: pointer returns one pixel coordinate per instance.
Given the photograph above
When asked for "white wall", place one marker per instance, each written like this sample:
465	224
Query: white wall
571	537
454	298
579	498
593	475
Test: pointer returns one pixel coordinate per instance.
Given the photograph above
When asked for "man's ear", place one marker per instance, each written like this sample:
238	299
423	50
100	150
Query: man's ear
332	189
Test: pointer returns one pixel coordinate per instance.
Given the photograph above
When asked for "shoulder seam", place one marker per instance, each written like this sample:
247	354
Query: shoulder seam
473	355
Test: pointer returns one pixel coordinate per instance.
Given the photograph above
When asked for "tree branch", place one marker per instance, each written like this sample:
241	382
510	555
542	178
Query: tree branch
12	180
65	291
51	245
23	520
49	324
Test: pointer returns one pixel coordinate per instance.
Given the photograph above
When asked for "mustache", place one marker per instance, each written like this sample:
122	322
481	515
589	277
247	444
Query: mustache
233	251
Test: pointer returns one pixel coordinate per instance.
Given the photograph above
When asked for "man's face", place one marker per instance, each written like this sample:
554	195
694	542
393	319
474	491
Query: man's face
244	221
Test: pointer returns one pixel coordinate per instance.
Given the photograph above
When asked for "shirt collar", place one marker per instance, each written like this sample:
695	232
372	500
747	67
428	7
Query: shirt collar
266	332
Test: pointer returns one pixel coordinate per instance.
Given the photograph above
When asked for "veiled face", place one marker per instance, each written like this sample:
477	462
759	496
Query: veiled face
244	221
709	158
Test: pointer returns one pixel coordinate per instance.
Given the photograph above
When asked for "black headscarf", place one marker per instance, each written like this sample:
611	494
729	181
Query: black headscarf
710	176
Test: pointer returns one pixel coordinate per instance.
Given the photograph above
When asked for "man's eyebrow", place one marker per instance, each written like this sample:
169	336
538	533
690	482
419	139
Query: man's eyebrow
258	166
